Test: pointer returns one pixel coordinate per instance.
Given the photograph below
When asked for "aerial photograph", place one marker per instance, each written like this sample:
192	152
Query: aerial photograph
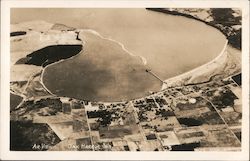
125	79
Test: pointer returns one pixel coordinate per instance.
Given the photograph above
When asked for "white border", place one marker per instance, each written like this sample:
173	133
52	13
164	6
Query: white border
5	77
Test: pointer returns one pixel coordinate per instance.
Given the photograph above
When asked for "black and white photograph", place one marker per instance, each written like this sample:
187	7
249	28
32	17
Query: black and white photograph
114	79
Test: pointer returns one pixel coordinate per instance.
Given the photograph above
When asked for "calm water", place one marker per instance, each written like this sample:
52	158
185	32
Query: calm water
104	72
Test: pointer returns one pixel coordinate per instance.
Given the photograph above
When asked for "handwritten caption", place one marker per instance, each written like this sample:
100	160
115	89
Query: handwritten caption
74	147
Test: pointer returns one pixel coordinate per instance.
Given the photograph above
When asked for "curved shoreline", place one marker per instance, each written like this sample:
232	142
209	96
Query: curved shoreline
173	80
144	60
165	85
43	70
197	69
217	25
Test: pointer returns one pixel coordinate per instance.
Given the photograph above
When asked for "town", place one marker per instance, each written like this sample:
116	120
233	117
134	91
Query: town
183	118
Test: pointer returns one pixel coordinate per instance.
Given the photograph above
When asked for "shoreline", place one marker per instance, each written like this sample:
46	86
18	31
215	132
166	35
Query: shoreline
182	76
144	60
168	83
165	85
173	81
220	26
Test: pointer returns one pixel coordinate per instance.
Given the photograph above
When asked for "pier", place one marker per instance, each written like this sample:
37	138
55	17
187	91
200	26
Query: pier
153	74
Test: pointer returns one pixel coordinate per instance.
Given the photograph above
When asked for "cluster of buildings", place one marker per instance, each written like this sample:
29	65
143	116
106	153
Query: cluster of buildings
194	117
204	116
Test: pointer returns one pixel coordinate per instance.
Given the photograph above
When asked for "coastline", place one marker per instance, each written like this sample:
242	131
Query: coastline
182	79
227	30
144	62
197	108
172	82
178	80
43	70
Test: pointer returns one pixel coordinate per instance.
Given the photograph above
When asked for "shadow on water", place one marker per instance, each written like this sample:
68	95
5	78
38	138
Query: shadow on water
50	54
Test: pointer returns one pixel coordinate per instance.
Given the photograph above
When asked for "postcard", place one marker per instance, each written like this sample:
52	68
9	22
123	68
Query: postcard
124	80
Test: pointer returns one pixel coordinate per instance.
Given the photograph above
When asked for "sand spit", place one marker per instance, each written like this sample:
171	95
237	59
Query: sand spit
144	61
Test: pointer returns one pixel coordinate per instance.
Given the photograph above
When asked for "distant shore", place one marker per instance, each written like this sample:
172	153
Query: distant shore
207	71
233	36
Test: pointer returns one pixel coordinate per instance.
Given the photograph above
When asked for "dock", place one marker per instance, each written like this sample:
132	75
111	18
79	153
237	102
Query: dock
155	75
